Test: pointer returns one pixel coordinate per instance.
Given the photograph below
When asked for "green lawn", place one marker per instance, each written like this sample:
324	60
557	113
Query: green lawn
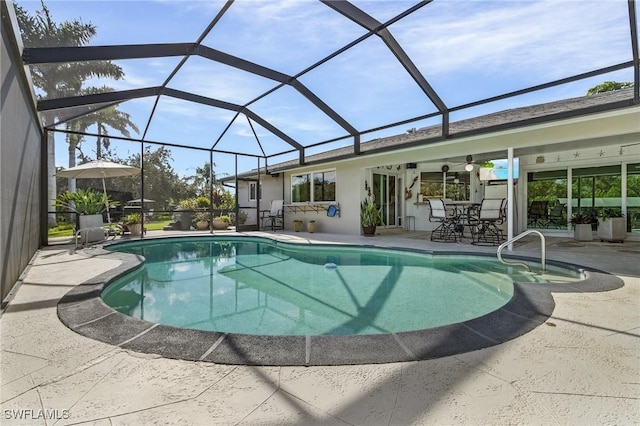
66	229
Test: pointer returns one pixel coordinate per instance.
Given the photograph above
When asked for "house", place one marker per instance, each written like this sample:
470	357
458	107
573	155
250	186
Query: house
576	144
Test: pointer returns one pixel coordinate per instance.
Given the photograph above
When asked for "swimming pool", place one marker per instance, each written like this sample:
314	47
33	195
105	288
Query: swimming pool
261	287
528	304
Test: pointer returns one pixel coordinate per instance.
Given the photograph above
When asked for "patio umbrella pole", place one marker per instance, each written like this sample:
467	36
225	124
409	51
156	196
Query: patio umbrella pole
106	201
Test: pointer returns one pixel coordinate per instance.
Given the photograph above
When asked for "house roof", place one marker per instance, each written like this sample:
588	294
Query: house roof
502	120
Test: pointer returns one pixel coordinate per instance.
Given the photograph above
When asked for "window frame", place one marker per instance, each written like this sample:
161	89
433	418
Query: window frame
255	187
311	182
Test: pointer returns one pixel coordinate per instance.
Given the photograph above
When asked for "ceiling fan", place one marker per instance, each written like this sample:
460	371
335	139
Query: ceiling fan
469	166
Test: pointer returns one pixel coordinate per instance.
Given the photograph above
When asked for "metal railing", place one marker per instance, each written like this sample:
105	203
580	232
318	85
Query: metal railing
543	254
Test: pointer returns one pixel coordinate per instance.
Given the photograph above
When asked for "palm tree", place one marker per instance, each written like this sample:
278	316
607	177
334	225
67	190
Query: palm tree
113	118
60	79
103	119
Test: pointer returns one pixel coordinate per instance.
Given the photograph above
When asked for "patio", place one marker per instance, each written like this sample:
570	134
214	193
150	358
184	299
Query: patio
578	368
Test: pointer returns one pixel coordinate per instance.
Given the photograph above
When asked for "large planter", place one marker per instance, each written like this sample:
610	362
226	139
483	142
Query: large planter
135	229
612	229
582	232
369	231
202	225
297	225
219	224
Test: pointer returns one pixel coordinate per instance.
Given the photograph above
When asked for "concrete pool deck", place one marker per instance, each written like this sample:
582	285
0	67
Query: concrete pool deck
580	367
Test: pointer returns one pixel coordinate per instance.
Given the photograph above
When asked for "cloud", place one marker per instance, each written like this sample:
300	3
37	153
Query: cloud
556	38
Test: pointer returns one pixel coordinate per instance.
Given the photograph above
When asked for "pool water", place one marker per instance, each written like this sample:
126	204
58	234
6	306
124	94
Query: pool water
257	286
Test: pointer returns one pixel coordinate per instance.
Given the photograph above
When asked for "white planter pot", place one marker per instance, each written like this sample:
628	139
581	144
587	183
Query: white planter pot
613	229
582	232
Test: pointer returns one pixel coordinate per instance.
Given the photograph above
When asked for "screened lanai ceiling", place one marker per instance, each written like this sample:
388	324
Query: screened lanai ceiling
287	79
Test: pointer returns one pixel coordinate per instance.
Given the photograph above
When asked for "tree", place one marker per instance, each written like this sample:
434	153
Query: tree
110	117
60	79
161	183
608	86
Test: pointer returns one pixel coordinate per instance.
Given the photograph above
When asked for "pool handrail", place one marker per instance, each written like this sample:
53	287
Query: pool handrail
543	246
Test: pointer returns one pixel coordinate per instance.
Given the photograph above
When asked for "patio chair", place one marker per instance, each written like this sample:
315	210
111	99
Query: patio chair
538	214
486	231
448	219
274	217
557	216
90	229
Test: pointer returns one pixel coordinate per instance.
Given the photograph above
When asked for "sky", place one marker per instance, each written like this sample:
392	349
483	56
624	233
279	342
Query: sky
467	50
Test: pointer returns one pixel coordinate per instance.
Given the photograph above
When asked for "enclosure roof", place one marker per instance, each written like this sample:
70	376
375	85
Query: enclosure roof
291	80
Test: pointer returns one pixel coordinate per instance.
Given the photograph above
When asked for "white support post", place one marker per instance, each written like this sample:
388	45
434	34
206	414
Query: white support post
510	193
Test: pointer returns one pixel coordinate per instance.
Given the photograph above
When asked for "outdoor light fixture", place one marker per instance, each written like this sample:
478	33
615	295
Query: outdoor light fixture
469	166
445	168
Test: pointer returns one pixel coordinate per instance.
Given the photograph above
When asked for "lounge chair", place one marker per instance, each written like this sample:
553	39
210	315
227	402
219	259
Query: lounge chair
90	229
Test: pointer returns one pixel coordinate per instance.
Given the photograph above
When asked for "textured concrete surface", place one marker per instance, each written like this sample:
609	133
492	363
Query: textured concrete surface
580	367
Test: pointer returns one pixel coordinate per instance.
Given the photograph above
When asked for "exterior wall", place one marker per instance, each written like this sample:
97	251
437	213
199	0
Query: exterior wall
608	131
20	171
349	190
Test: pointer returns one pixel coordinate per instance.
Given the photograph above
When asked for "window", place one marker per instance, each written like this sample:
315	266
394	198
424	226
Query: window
323	188
253	190
547	199
458	186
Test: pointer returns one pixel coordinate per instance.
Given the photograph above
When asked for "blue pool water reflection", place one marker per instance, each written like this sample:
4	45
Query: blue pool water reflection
258	286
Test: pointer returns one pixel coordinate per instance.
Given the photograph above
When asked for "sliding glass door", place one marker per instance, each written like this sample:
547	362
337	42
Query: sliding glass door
384	196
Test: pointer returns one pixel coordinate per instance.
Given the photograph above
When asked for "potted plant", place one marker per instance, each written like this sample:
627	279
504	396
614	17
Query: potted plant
87	203
311	226
133	222
221	222
240	219
84	201
582	222
201	220
612	225
370	217
297	225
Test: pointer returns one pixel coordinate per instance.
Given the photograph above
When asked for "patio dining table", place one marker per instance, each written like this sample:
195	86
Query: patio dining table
467	214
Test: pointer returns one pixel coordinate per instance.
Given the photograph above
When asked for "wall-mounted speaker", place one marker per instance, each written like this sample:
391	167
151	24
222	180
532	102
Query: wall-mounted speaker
411	165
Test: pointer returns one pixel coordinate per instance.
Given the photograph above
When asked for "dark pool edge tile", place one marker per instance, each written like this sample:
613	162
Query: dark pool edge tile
83	311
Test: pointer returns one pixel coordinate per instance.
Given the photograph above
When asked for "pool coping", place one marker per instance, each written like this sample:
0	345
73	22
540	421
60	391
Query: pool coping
83	311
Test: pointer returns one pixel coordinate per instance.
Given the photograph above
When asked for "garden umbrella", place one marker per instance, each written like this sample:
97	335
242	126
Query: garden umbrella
99	169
